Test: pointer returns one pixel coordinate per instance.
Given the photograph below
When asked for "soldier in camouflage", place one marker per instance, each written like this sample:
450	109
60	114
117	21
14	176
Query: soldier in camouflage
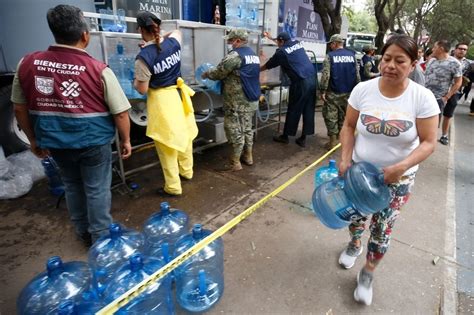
340	75
239	72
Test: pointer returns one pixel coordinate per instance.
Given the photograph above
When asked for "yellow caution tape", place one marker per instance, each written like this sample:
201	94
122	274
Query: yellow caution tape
125	298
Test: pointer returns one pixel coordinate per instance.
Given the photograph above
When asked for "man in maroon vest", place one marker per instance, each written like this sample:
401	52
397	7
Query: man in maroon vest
69	104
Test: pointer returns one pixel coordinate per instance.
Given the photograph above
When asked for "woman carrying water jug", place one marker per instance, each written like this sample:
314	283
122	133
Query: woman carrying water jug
396	123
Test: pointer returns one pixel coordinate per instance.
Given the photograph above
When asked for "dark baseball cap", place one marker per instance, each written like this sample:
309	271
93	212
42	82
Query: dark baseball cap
145	19
284	36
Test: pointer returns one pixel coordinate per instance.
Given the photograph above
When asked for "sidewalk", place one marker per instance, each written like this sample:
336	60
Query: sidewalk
283	260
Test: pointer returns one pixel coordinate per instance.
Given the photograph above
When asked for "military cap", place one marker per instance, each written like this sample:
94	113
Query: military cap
336	38
368	47
237	33
284	36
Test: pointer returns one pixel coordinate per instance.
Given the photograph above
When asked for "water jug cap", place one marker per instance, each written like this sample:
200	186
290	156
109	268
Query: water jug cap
120	48
54	264
66	307
164	208
136	262
332	163
115	230
197	231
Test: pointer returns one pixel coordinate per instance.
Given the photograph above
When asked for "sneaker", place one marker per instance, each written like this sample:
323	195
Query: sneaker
444	140
349	255
301	142
281	139
363	293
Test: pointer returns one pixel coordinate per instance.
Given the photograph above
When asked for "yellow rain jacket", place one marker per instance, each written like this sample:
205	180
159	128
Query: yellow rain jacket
171	117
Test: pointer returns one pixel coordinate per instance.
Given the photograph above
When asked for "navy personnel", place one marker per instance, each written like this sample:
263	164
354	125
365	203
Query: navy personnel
340	75
293	60
240	72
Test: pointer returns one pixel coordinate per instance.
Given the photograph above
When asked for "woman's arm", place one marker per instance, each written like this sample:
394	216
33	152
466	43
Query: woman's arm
427	130
347	138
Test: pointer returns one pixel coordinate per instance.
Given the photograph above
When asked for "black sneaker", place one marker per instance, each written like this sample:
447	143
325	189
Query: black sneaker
444	140
301	142
281	139
85	238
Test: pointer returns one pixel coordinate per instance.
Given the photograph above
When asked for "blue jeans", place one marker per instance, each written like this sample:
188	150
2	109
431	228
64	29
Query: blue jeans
87	176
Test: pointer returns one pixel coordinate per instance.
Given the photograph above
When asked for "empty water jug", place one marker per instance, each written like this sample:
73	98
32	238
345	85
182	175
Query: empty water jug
163	229
55	184
67	307
111	251
61	281
199	279
325	173
89	304
359	193
213	86
156	299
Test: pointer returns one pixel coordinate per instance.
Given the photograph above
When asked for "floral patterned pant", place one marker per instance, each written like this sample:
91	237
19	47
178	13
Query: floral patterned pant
382	223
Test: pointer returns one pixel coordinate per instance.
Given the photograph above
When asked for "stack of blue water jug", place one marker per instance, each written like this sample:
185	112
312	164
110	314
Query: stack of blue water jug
242	14
123	65
359	193
122	259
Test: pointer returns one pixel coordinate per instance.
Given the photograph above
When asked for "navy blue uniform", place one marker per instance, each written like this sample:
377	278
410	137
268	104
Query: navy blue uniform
366	59
165	66
292	58
343	71
249	73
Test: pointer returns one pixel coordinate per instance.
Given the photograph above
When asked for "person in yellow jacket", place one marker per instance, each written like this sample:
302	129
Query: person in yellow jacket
171	122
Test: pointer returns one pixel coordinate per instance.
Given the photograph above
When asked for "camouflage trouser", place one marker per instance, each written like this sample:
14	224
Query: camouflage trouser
334	111
382	223
238	130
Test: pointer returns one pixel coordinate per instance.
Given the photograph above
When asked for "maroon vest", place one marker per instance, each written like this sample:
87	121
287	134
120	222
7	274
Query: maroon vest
63	80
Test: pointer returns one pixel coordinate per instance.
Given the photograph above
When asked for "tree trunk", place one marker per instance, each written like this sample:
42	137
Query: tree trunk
330	16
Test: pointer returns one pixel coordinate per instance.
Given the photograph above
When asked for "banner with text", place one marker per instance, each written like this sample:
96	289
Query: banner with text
298	19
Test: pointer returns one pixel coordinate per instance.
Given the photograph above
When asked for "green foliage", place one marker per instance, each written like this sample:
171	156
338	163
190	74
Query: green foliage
451	20
470	53
360	21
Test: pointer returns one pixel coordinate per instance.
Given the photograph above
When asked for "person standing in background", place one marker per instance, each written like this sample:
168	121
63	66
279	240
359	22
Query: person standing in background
368	69
76	124
340	75
240	73
293	60
443	77
171	122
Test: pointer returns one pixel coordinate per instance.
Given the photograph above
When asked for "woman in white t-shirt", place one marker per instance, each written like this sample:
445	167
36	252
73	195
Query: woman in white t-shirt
396	122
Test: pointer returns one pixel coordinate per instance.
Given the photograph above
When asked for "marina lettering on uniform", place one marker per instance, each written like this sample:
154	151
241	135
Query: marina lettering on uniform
252	60
291	49
167	63
343	59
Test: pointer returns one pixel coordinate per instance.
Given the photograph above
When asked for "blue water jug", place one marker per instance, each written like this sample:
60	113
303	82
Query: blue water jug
67	307
359	193
123	66
55	184
213	86
111	251
325	173
156	299
162	230
200	279
61	281
89	304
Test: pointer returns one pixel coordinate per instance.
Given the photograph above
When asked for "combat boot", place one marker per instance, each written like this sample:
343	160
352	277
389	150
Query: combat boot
247	157
233	166
332	142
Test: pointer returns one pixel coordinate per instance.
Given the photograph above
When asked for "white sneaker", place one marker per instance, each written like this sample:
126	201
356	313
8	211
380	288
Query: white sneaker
363	293
349	255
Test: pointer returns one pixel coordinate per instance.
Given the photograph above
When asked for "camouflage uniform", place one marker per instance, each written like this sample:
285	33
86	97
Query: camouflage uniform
238	111
334	108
